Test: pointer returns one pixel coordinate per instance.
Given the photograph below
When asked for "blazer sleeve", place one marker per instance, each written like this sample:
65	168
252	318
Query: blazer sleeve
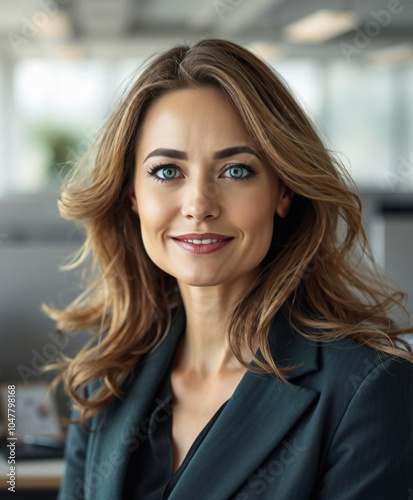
72	487
371	454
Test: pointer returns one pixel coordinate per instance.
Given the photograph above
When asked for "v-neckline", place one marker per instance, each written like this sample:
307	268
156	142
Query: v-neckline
174	476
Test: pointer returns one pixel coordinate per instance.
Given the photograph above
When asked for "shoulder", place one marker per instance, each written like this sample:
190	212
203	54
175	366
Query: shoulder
353	369
341	367
360	362
356	365
363	390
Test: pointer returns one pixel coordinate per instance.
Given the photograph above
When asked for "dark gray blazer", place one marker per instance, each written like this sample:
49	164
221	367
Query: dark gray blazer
341	430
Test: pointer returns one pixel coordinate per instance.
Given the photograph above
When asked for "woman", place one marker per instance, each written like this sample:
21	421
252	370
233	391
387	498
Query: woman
243	345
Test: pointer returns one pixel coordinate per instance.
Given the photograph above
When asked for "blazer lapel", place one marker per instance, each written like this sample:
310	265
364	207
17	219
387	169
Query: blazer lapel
255	420
120	431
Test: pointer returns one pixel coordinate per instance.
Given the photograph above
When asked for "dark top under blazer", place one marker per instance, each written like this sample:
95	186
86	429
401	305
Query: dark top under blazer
342	429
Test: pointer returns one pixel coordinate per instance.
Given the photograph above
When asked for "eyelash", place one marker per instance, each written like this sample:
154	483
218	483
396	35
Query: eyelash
249	168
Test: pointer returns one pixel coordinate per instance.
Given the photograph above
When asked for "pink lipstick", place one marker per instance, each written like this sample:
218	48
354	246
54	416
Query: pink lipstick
202	243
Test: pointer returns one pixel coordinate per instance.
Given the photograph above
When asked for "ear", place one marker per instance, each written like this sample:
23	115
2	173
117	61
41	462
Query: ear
284	201
134	202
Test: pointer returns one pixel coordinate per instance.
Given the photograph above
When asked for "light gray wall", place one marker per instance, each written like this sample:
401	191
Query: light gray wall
389	222
398	252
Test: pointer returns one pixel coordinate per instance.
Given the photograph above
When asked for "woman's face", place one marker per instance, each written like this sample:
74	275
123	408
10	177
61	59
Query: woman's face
205	198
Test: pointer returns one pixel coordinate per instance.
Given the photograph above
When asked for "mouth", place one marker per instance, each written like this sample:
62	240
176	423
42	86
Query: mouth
202	238
202	243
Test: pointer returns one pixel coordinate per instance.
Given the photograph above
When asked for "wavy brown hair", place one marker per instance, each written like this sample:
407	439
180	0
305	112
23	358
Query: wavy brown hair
319	269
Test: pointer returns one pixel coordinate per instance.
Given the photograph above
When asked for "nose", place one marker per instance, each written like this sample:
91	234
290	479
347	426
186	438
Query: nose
200	201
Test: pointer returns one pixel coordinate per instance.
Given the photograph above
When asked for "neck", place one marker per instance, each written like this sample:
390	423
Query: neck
205	349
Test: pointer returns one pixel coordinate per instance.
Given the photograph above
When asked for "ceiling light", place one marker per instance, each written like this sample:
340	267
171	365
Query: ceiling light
267	51
320	26
56	27
391	56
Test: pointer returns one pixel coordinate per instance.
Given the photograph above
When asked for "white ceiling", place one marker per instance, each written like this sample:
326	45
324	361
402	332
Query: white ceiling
135	28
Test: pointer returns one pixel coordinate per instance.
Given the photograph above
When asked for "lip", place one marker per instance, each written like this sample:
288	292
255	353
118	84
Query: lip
202	236
200	249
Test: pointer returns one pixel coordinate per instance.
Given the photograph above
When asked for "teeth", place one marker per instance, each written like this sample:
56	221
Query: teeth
202	242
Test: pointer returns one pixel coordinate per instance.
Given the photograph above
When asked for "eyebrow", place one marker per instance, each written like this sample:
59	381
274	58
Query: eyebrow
169	153
236	150
218	155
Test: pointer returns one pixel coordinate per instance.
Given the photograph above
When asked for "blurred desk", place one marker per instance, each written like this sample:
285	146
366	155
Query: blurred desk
33	474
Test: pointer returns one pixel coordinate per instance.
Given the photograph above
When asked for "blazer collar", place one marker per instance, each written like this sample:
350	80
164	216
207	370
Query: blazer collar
290	349
272	409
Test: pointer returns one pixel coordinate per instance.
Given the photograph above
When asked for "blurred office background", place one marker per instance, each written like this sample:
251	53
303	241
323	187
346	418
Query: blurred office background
63	64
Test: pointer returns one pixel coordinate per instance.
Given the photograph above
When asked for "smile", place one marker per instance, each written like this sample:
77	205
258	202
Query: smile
201	244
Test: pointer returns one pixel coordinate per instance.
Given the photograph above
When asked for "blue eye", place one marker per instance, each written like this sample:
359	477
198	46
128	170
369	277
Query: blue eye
239	171
168	173
164	172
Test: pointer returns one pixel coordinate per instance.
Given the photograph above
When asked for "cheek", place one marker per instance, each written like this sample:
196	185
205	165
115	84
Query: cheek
256	212
153	210
152	223
256	220
153	218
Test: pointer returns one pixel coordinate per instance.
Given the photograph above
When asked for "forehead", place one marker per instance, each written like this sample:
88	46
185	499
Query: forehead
200	117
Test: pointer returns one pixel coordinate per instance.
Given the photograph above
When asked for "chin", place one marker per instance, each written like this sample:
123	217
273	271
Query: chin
201	280
201	283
